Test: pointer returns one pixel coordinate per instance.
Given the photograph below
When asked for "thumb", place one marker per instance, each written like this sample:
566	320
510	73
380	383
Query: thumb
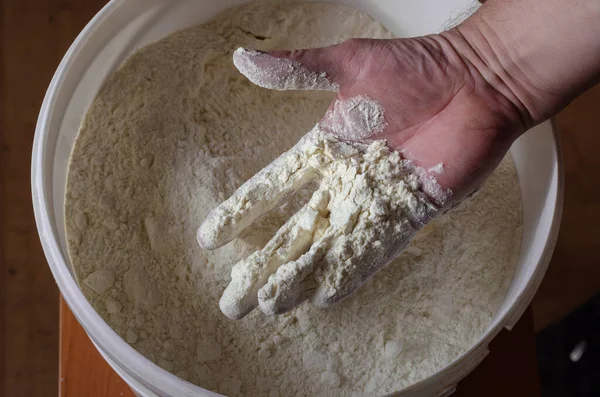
310	69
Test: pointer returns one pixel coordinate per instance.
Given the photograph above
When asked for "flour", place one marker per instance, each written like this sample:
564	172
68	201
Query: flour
175	132
355	119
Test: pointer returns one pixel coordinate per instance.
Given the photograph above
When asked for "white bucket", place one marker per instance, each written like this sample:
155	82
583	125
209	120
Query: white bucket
124	25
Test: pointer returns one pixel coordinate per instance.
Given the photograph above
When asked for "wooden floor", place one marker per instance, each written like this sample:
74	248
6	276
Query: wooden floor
34	35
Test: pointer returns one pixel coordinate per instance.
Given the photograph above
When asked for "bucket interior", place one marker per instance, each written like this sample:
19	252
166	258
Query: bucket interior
127	25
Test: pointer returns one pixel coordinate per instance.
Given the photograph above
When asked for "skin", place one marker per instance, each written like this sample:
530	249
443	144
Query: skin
462	97
438	108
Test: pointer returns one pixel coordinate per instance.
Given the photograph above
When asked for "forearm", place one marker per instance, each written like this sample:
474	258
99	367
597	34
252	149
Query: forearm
539	53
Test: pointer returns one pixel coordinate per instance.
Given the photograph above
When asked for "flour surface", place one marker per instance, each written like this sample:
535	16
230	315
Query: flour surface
174	133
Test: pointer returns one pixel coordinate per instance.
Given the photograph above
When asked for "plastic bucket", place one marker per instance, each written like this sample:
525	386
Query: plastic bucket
124	25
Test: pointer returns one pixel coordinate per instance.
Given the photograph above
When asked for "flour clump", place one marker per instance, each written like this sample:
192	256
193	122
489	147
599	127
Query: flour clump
174	132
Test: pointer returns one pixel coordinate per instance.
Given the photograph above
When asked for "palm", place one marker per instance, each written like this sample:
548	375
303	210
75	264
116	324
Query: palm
438	109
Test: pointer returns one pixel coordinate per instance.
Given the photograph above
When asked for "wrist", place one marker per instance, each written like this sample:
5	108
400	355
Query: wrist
481	61
538	54
485	56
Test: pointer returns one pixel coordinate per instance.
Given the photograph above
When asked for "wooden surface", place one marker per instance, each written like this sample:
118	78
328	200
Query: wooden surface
509	370
83	371
34	35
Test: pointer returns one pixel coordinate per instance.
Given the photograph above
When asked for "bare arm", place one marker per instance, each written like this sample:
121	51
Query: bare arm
539	53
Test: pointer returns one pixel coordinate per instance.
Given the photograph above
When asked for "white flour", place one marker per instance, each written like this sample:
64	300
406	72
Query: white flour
356	118
174	133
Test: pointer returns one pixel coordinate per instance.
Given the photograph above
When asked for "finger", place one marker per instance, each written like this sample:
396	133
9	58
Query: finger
250	274
321	69
268	71
352	261
259	195
293	283
290	242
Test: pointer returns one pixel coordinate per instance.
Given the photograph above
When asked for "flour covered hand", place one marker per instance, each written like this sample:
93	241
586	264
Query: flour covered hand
401	143
366	209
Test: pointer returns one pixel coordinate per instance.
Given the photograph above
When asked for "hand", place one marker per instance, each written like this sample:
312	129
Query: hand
365	210
436	109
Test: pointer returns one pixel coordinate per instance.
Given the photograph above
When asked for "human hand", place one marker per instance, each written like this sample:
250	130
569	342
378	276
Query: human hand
423	99
366	208
438	107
